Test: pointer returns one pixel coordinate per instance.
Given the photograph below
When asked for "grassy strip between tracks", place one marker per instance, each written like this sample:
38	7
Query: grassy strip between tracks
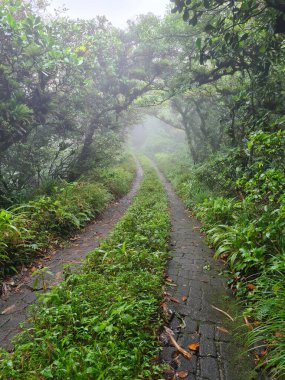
102	322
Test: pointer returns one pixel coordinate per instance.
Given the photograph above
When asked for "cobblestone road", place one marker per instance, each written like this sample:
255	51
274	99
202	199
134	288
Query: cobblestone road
198	286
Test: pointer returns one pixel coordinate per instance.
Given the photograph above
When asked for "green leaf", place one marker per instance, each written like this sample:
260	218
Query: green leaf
11	21
262	50
198	43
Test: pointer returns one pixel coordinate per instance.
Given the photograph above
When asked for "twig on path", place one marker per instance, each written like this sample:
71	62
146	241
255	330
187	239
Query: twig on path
223	312
185	353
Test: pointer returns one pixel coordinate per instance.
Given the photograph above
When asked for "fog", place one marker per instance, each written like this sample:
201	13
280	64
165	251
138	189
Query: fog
118	12
153	136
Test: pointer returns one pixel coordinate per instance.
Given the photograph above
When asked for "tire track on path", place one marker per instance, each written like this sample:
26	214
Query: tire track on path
13	307
198	285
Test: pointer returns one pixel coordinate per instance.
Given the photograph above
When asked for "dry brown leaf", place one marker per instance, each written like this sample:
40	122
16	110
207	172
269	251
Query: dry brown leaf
169	374
250	286
164	308
193	346
182	374
9	309
74	238
222	329
184	298
33	269
57	276
173	299
175	354
5	290
176	358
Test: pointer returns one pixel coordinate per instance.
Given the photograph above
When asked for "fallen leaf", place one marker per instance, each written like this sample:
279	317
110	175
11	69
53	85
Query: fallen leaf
184	298
57	276
74	238
9	309
257	358
182	374
175	354
176	359
250	286
5	290
169	374
164	308
33	269
173	299
47	258
193	346
222	329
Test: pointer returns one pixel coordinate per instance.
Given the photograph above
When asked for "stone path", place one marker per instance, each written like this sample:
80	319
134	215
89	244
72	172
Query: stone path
13	306
197	286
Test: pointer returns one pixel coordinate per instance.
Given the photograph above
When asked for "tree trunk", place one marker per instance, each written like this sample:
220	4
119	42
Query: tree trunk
83	157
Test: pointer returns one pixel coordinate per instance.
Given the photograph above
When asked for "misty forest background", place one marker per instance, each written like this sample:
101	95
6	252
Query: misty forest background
204	87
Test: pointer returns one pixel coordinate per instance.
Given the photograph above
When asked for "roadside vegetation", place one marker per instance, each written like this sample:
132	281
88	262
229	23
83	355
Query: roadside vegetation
30	228
102	322
247	233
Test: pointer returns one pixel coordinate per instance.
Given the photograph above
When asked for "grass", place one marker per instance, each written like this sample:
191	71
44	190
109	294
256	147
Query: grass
102	322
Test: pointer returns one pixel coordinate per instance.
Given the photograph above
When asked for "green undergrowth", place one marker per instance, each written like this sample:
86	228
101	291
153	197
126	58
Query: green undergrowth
30	228
102	322
244	218
116	179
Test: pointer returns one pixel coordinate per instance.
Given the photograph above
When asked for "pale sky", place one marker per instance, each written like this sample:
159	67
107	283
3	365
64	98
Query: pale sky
116	11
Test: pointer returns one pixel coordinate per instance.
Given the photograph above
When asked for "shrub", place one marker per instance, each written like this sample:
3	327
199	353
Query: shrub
266	307
117	179
33	226
12	235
